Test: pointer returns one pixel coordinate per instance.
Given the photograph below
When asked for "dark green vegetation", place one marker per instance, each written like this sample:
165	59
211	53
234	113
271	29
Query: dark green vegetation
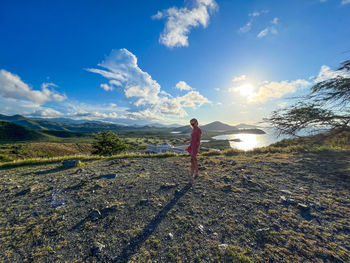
108	143
245	207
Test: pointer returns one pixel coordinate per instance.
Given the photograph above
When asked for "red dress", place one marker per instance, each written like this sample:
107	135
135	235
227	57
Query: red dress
195	141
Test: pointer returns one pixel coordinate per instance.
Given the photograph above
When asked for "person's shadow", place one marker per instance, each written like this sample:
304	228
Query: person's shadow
136	242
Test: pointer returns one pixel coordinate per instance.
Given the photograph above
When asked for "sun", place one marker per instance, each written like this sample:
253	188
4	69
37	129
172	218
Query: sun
247	90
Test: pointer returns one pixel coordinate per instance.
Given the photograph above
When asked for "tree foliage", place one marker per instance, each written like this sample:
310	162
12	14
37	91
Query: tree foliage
326	107
108	143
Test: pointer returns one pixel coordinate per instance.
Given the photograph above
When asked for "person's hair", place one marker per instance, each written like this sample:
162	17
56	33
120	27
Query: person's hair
193	120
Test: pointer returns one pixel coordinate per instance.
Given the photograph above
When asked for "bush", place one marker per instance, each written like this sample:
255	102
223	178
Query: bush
108	143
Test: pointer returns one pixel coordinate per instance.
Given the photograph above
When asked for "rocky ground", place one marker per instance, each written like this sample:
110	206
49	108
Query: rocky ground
244	208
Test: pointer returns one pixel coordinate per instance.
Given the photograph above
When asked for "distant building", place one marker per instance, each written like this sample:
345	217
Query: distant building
165	148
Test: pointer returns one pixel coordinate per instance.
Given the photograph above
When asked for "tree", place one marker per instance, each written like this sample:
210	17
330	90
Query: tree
108	143
326	107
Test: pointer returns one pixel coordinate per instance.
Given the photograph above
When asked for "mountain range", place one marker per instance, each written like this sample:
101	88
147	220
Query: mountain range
22	127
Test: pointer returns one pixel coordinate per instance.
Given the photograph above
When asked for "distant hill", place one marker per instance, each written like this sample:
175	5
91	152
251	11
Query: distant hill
218	126
23	121
13	132
215	126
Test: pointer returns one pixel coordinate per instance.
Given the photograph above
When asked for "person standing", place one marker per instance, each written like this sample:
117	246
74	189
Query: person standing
193	148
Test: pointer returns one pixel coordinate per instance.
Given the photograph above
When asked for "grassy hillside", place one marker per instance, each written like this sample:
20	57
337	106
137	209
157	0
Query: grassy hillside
243	208
12	132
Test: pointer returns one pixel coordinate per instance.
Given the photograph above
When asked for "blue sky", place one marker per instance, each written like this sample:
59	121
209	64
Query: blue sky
166	61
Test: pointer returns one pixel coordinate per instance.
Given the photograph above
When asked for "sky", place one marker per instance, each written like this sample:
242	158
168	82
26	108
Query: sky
157	61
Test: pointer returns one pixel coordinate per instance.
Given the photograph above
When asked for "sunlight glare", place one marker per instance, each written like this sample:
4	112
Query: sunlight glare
246	90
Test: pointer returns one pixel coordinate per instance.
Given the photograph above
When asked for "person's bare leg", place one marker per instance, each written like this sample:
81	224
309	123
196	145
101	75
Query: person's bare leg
195	161
192	170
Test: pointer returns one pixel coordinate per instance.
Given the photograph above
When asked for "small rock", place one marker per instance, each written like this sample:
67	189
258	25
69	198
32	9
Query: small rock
107	176
97	248
160	205
292	201
286	192
201	229
95	215
216	235
283	198
223	247
227	188
23	192
303	207
71	163
262	230
171	236
143	202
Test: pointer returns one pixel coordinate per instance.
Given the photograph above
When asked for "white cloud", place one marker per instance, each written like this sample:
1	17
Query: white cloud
327	73
344	2
180	21
239	78
275	21
122	68
217	89
106	87
12	87
247	27
182	85
270	29
47	113
269	90
278	89
144	92
112	105
193	99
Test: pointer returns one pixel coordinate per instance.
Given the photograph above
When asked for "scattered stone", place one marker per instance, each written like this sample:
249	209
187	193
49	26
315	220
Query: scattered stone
108	210
97	248
227	188
71	163
95	215
286	192
167	186
171	236
263	230
303	207
143	202
291	201
216	235
201	229
226	179
107	176
56	199
78	171
23	192
283	198
223	247
160	205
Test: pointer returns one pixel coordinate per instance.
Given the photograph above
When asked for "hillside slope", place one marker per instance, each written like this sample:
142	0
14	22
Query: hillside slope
246	208
12	132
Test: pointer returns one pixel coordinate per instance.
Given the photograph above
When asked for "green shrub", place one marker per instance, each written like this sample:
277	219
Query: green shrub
5	158
108	143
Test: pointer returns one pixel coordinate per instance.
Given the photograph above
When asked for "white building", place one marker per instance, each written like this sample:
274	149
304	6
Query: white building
165	148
